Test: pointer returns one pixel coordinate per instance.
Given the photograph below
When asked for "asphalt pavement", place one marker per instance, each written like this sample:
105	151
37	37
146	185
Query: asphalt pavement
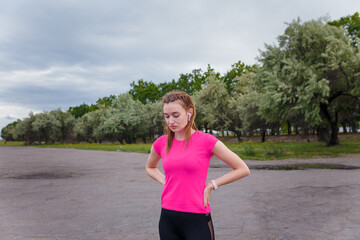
83	194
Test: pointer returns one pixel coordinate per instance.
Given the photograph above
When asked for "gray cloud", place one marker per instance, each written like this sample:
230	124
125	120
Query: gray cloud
63	53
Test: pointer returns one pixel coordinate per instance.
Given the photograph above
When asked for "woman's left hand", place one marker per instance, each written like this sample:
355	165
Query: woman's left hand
207	191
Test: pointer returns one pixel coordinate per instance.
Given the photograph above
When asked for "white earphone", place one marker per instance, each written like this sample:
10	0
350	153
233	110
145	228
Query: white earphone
189	117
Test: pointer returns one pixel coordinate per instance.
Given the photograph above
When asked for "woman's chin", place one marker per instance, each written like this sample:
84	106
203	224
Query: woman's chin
177	130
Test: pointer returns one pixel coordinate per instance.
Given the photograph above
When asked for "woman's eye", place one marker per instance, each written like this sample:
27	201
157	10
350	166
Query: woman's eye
176	116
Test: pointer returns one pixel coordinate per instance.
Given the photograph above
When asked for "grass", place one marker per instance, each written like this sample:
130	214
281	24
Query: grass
247	150
272	151
305	166
140	147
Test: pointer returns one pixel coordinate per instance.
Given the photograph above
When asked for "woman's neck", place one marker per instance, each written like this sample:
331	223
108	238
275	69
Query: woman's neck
181	135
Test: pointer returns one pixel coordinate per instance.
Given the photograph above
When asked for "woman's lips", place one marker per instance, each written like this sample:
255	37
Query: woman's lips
172	126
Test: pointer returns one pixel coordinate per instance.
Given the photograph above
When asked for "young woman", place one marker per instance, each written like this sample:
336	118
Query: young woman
186	154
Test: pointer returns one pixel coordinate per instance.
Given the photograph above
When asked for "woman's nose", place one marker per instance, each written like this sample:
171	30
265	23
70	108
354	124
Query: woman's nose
171	120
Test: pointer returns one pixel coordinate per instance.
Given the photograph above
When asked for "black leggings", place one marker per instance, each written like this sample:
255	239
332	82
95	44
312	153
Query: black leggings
174	225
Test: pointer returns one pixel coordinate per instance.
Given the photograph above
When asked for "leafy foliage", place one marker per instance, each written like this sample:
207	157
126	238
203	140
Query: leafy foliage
310	80
308	75
212	104
351	24
8	133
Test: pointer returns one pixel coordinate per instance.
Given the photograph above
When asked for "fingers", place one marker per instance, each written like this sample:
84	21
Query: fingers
206	198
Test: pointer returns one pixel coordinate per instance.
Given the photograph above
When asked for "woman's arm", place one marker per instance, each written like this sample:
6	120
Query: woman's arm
151	167
240	169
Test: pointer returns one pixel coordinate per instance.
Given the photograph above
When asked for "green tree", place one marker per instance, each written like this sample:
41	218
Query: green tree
194	81
237	69
245	106
25	131
64	131
351	23
87	127
8	133
212	104
107	101
188	82
125	119
312	71
154	119
80	110
143	91
46	127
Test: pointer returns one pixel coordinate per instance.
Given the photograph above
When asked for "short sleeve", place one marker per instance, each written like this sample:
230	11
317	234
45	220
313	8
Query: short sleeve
159	144
211	141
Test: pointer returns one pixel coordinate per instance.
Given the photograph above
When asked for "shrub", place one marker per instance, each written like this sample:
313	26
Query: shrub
271	149
249	149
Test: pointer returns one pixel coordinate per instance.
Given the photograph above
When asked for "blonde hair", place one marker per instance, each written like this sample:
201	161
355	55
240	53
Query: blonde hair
185	101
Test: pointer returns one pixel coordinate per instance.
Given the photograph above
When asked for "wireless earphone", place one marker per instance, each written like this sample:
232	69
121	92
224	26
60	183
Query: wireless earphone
189	117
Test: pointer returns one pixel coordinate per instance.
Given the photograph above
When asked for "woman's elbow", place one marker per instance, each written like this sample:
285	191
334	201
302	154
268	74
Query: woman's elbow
148	170
244	172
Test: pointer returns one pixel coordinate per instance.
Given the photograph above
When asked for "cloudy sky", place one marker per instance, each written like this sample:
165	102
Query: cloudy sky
61	53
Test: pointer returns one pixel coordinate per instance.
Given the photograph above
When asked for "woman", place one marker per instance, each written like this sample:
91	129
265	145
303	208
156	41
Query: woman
186	154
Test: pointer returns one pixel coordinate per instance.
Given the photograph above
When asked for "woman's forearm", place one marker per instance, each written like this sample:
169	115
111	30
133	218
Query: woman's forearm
156	174
240	169
232	176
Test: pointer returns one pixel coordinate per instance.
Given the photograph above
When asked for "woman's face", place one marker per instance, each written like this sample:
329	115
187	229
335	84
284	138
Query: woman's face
176	117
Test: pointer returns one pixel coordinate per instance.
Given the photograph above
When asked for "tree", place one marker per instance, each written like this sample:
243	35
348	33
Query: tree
194	81
46	127
244	107
24	130
212	104
154	119
351	23
237	69
87	127
80	110
189	83
64	130
312	72
143	91
125	119
107	101
8	133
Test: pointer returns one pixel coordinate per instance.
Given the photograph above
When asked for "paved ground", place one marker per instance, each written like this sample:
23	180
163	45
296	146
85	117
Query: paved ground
94	195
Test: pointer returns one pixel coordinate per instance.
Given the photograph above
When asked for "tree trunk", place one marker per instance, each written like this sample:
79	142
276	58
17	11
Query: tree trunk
263	132
296	130
238	135
289	127
353	125
244	133
344	127
306	131
322	134
334	140
272	131
120	139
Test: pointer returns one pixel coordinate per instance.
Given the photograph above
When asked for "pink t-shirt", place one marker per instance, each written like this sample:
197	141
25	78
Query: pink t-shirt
185	172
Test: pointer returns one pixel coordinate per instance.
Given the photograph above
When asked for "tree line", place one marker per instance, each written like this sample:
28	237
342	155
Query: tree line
309	82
